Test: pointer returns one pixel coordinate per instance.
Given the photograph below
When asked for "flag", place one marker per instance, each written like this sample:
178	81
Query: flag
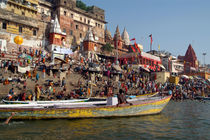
137	47
151	38
133	48
133	39
159	47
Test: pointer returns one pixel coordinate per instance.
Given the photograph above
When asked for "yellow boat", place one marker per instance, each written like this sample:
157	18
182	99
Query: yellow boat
147	95
149	106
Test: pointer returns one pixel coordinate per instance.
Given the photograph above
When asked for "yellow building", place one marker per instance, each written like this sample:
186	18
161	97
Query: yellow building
19	17
26	8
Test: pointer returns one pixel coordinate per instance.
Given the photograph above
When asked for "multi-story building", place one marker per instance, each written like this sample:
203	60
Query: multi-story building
19	18
75	22
44	16
31	19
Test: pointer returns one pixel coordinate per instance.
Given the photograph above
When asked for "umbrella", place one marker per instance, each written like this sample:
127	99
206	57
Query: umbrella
63	61
117	67
25	56
184	76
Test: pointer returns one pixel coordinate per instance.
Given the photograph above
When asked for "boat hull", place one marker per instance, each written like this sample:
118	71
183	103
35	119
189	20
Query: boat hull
45	102
139	108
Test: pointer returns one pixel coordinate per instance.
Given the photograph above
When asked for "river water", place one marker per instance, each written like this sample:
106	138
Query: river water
179	120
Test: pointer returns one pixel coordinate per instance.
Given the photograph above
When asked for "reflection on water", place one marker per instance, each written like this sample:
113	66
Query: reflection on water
180	120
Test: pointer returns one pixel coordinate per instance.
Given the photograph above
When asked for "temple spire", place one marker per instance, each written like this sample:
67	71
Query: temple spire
117	34
89	35
55	26
108	36
125	37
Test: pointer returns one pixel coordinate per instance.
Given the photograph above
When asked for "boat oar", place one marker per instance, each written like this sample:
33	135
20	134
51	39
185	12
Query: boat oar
10	117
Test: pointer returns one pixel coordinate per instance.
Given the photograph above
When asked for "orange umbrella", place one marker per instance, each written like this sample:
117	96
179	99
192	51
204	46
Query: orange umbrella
18	40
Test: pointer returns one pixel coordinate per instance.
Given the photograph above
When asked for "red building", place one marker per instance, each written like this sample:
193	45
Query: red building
146	60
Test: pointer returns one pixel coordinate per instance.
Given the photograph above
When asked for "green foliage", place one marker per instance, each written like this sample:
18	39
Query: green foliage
108	47
83	6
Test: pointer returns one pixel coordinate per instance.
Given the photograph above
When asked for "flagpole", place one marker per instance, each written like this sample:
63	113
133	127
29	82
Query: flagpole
150	42
117	52
150	46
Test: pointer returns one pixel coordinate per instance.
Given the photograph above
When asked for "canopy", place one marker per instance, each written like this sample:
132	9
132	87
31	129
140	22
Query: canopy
23	69
117	67
162	66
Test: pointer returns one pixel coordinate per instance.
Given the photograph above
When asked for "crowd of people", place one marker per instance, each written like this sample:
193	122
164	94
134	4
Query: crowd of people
107	78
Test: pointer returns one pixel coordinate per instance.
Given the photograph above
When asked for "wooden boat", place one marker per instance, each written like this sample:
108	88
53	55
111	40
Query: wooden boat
149	106
202	98
74	100
45	102
147	95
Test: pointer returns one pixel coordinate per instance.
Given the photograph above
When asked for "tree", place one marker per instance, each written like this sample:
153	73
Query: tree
107	47
83	6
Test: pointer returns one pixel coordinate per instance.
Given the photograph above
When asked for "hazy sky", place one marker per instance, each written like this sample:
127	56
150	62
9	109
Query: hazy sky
174	24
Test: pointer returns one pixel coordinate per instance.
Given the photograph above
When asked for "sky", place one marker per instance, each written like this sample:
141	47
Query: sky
174	24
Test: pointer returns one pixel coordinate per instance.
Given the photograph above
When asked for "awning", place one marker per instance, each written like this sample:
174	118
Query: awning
162	66
144	68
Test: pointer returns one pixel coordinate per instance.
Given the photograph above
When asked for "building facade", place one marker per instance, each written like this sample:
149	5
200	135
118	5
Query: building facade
31	19
75	22
19	18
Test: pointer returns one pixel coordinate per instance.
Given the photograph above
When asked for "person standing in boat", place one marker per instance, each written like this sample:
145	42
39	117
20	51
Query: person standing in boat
121	98
37	92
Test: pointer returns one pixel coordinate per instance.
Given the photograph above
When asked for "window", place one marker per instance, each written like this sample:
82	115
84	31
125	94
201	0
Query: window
80	35
80	18
64	30
20	29
64	2
88	21
23	13
4	25
71	32
64	13
84	20
77	26
71	24
72	15
42	10
13	10
34	32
